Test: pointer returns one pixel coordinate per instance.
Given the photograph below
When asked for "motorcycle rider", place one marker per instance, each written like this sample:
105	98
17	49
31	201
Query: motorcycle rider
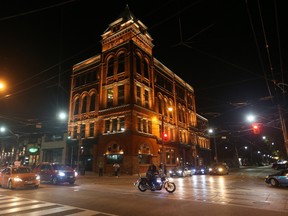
151	175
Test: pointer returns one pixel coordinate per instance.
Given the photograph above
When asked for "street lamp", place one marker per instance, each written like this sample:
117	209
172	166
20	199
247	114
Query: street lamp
169	109
211	131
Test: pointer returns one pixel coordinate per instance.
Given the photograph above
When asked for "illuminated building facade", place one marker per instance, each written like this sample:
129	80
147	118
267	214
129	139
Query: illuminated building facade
119	107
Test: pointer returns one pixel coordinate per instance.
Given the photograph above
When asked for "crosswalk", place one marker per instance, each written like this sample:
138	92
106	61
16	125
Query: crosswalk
26	207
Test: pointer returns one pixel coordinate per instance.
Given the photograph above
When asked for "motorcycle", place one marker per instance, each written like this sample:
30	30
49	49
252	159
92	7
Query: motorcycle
161	182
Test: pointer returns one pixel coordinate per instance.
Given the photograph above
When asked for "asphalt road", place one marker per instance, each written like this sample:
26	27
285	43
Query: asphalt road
242	192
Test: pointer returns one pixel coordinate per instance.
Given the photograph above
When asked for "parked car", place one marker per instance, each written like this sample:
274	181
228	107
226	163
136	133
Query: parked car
18	177
219	169
280	165
278	179
55	173
180	172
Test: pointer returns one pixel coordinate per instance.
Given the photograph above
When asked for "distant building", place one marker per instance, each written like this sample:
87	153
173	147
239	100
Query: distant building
120	102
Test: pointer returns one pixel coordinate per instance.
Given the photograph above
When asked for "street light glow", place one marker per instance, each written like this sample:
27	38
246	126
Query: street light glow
250	118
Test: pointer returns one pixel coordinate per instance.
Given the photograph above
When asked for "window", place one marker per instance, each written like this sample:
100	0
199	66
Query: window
107	126
92	102
144	158
82	130
122	124
146	98
109	98
91	130
138	64
146	70
110	71
120	95
138	99
76	106
114	158
121	63
84	104
114	125
170	156
75	132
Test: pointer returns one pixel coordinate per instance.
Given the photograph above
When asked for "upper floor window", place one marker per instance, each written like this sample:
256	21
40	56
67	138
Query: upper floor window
138	97
76	106
110	71
92	102
91	130
110	97
121	63
146	70
120	95
114	125
146	98
84	104
138	64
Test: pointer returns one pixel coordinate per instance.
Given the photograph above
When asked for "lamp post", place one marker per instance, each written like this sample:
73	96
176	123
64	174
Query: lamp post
169	109
211	131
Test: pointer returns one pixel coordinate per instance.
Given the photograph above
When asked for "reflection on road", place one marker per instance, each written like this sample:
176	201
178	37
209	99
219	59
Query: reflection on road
234	190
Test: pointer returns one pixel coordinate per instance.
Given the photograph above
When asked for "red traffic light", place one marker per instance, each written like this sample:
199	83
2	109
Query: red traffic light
256	128
165	136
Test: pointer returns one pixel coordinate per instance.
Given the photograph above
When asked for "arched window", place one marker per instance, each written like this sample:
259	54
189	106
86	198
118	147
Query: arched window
76	106
110	71
146	70
138	64
84	104
92	102
121	63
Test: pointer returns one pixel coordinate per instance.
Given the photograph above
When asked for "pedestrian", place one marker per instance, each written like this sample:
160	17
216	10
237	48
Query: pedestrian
116	167
100	167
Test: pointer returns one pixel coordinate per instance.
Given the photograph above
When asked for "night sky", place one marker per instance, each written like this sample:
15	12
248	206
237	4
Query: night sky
217	46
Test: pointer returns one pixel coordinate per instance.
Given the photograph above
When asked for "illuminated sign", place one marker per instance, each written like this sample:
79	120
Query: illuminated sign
33	150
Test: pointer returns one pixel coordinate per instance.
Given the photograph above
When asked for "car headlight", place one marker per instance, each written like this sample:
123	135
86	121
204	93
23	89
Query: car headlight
61	173
76	173
37	177
17	179
210	169
220	169
179	171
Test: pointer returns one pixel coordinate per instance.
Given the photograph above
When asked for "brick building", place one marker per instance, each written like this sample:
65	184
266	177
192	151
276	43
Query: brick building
124	100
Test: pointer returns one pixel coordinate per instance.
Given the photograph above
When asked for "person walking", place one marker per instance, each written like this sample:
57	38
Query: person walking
100	167
116	167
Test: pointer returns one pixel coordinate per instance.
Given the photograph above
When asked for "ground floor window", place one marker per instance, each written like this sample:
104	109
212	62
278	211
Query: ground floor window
114	158
145	158
170	156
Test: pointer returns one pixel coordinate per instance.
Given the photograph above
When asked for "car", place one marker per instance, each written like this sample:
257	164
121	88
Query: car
180	171
280	165
19	177
219	169
199	170
278	179
55	173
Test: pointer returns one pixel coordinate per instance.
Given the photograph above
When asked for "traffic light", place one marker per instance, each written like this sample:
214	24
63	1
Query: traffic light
256	128
165	136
